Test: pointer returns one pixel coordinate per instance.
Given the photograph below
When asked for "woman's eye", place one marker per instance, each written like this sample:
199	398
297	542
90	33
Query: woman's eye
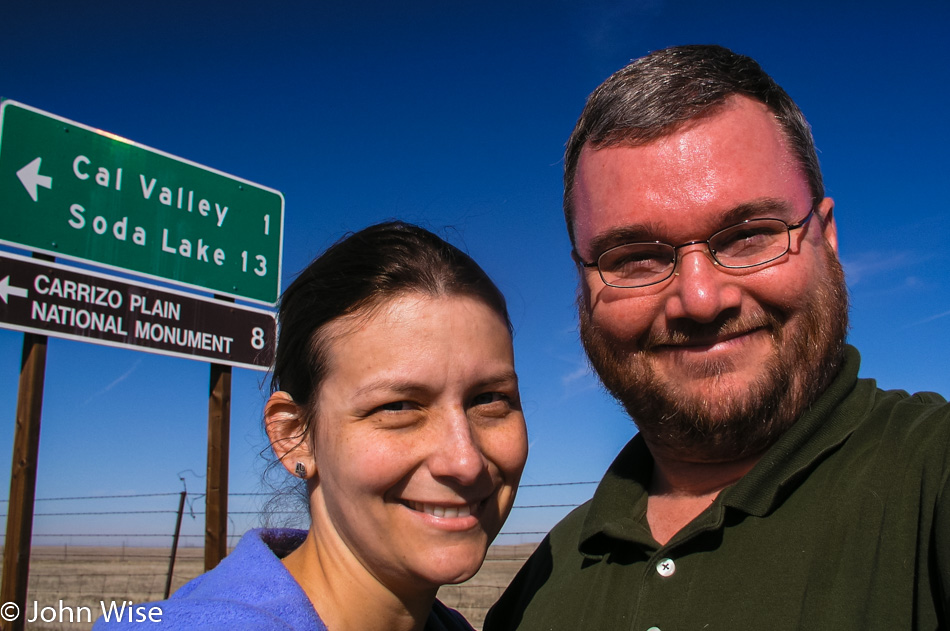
487	398
396	406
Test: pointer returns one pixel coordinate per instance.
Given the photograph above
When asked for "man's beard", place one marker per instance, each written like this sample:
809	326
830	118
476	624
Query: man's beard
730	424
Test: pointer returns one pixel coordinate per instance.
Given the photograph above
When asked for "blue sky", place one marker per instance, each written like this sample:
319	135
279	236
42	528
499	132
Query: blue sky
454	116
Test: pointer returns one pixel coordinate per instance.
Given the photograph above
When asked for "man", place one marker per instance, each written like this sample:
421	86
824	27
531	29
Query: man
768	487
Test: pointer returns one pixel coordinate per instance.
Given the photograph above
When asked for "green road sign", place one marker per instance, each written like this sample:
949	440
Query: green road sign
75	192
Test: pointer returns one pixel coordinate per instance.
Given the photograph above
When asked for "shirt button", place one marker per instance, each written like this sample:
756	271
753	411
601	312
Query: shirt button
665	567
654	629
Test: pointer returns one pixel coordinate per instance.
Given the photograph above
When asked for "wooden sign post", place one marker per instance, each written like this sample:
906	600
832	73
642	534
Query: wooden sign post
219	439
26	447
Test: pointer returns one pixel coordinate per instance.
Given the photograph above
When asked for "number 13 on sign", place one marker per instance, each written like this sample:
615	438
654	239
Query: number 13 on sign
261	268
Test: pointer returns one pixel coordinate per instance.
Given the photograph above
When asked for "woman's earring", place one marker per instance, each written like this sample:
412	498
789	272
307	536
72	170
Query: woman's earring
300	470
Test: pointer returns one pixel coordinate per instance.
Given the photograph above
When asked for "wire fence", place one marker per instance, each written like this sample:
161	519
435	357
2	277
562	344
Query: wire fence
95	548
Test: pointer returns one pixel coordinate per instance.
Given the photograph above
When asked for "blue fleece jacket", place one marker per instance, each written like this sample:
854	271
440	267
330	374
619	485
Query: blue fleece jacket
250	589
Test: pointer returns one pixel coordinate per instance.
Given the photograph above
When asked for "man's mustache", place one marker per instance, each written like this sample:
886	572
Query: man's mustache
686	332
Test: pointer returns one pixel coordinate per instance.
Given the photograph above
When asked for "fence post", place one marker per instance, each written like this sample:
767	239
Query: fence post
171	561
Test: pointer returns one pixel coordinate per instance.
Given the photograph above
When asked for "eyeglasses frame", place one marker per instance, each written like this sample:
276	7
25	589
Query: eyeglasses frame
788	228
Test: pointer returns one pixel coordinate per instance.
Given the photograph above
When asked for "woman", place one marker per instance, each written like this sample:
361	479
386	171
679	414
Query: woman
395	398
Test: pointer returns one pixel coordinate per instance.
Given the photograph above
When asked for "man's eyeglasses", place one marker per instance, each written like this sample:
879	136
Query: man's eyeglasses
750	243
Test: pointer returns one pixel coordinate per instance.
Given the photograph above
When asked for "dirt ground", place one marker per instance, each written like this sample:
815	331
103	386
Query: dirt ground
81	577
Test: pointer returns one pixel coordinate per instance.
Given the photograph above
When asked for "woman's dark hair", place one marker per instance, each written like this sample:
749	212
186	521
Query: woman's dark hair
361	271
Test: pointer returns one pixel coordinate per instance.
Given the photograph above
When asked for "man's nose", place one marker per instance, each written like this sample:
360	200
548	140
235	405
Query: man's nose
700	291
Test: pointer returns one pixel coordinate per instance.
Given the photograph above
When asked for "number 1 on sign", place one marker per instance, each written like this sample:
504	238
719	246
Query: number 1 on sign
266	224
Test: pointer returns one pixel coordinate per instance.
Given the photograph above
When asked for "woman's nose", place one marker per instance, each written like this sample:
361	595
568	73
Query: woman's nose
457	454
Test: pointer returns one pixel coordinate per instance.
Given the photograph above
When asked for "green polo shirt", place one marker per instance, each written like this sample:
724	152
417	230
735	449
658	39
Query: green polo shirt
844	524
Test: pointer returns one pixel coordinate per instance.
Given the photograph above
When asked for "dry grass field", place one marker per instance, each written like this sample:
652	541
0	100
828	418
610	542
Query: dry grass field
83	576
473	597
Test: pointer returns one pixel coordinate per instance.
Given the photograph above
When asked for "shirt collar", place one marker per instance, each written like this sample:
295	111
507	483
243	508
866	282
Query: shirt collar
618	508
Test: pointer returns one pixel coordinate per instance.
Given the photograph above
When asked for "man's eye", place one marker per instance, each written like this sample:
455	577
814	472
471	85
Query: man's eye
748	238
641	261
632	260
635	258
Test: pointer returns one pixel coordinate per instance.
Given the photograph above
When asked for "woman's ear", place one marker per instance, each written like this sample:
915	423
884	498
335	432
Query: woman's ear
286	427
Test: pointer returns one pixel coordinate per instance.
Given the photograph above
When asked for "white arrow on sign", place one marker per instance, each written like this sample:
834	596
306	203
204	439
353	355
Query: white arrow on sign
6	290
31	178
